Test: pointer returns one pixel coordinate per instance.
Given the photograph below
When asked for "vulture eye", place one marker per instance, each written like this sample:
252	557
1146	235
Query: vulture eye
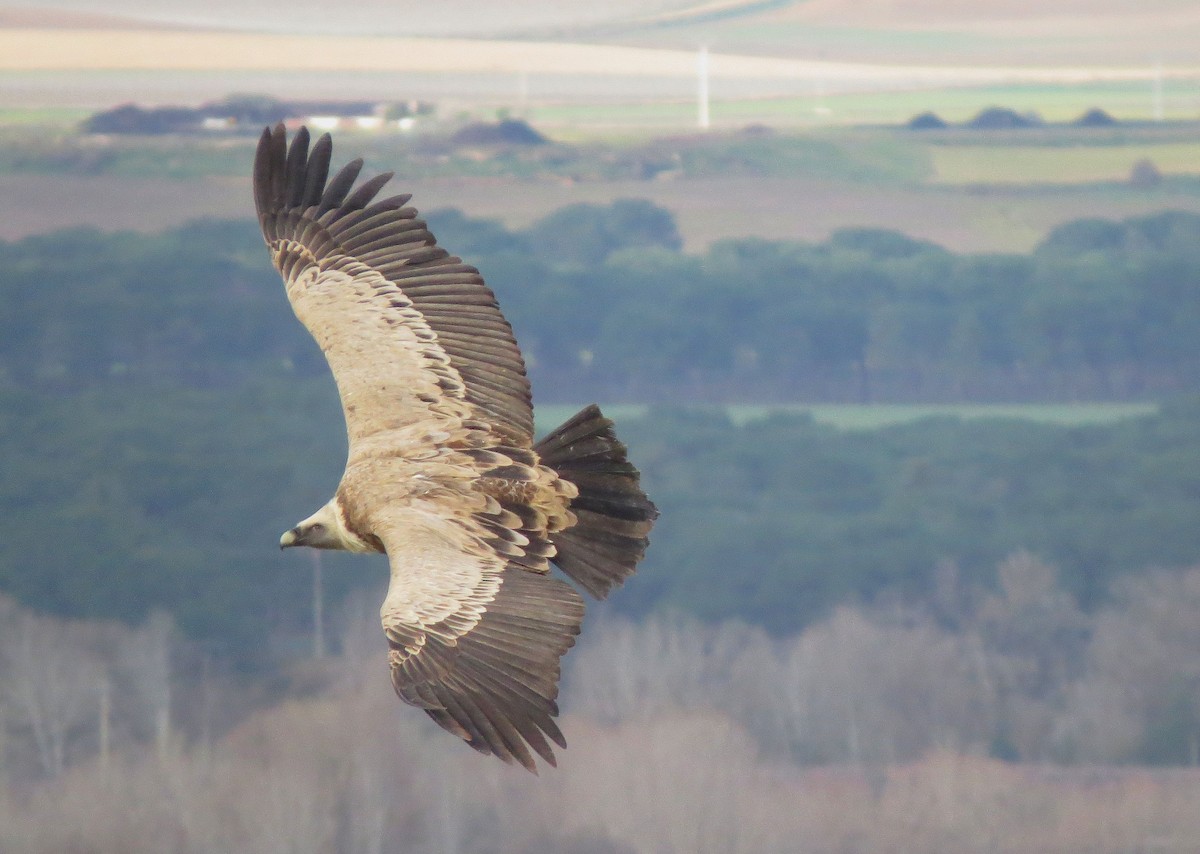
317	528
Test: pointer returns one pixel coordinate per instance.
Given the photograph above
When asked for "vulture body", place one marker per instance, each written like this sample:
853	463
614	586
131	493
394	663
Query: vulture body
443	474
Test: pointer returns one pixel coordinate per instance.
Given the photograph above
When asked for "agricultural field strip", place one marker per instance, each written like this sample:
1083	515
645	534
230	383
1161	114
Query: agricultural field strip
875	416
30	49
1075	164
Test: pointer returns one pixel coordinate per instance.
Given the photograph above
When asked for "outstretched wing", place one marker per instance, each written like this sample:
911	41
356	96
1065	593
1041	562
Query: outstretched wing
409	330
474	639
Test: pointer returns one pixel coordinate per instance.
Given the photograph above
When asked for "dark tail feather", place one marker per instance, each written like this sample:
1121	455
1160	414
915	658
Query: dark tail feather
615	516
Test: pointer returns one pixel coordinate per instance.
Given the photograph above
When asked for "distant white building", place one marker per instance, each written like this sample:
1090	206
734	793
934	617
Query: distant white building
218	123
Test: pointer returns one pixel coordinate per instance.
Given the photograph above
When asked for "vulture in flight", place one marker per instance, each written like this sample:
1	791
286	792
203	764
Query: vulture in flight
443	475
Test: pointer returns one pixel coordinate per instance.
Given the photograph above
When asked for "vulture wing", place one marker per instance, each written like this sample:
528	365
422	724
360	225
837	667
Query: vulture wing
474	639
409	331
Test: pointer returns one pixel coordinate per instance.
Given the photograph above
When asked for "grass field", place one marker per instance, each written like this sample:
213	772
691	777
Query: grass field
1016	164
1065	102
875	416
817	103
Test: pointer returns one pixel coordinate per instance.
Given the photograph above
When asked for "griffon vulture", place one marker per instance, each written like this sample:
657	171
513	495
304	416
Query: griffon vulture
443	474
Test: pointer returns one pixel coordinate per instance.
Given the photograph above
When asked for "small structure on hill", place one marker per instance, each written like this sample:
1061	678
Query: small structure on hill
1144	175
1004	118
1095	118
927	120
504	132
757	130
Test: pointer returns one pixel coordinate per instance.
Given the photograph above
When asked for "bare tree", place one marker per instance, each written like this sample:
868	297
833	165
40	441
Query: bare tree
1142	688
144	671
881	687
51	673
862	686
1033	636
676	782
627	671
1035	621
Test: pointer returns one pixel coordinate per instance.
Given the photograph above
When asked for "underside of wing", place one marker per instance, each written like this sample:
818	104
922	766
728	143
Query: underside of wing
476	640
403	323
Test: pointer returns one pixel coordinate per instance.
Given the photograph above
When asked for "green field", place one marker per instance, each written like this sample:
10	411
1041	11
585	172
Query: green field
1054	103
806	105
814	107
1080	164
848	416
53	118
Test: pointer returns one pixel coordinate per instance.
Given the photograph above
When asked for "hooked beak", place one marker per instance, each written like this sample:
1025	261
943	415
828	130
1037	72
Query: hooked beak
289	539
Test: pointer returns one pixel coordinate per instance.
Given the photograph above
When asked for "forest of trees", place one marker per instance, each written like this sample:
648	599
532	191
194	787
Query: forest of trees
122	500
163	416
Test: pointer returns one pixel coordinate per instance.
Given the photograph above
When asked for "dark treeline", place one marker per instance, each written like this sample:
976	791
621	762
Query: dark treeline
606	306
778	521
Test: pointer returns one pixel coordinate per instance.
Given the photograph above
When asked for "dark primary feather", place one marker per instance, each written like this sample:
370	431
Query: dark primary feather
336	192
314	183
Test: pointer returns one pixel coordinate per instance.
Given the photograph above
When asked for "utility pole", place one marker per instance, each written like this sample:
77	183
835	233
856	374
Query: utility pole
105	723
318	606
1158	92
523	93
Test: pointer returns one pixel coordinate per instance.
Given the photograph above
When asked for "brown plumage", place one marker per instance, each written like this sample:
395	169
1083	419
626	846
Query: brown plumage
443	475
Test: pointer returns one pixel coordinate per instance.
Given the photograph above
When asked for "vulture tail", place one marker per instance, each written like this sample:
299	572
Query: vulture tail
603	548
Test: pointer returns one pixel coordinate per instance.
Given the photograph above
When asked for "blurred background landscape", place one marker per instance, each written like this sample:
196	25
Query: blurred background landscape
897	305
